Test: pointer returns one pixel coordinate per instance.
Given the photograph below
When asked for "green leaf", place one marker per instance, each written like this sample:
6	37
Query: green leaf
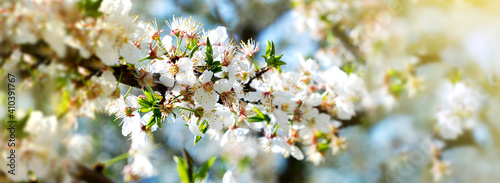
149	96
197	139
323	145
397	87
157	112
209	53
202	173
244	163
193	51
268	48
267	118
259	117
158	121
255	119
211	65
90	7
272	60
192	44
189	164
279	63
182	169
203	128
348	68
144	110
257	111
144	103
455	75
216	63
273	49
216	69
151	122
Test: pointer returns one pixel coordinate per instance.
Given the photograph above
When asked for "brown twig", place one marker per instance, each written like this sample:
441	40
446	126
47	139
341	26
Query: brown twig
84	173
258	74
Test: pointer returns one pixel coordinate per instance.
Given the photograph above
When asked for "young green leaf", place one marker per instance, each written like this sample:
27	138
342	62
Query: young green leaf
202	173
151	122
144	103
209	53
255	119
90	7
149	96
158	121
182	169
259	116
272	60
144	110
203	128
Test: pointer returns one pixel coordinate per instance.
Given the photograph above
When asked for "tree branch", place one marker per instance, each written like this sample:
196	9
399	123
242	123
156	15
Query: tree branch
41	51
84	173
258	74
465	139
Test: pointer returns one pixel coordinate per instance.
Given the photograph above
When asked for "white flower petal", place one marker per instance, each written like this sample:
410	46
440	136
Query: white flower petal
195	129
206	76
296	153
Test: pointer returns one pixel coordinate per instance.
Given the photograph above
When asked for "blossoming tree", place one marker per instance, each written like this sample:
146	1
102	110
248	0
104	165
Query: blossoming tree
77	56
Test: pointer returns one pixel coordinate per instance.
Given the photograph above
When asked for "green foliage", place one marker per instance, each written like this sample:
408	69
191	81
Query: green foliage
349	68
259	117
192	44
455	75
244	163
90	7
182	169
397	82
272	60
190	173
324	143
151	103
202	173
203	128
214	66
193	50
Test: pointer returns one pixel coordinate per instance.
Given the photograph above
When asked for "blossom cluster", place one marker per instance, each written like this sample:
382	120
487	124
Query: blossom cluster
395	44
215	87
200	77
457	110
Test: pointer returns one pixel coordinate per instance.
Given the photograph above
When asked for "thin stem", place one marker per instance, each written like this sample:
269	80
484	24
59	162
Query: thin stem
191	110
128	92
254	63
179	41
116	159
119	79
173	99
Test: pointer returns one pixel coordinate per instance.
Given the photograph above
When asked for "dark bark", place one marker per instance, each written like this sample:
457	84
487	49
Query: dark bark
294	172
84	173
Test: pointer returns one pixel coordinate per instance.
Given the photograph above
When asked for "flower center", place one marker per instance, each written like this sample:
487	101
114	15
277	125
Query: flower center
174	69
129	111
208	86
